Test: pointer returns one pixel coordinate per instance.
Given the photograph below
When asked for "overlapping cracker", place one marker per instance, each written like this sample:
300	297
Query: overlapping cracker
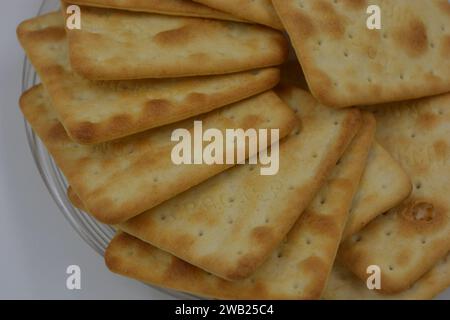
170	7
371	200
120	179
230	224
260	11
343	285
297	269
383	186
347	64
118	45
411	238
312	251
99	111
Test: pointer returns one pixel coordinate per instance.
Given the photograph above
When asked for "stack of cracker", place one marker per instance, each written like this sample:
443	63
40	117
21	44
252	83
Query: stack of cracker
364	169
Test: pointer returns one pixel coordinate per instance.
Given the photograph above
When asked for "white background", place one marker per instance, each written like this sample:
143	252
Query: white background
36	243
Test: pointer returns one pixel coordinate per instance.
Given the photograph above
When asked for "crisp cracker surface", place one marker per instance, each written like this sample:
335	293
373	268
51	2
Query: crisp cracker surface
347	64
118	45
417	232
384	185
260	11
99	111
120	179
297	269
230	224
343	285
170	7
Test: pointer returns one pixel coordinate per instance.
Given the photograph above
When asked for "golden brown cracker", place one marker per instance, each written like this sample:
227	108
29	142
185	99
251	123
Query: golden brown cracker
347	64
119	45
99	111
120	179
260	11
230	224
410	239
384	185
297	269
170	7
343	285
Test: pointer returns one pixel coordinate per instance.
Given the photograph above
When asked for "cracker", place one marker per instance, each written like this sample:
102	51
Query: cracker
383	186
347	64
119	45
99	111
120	179
412	237
297	269
343	285
185	8
371	200
230	224
260	11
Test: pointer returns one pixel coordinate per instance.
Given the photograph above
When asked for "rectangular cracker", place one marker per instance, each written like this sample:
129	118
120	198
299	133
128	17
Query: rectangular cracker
119	45
371	200
230	224
343	285
260	11
384	183
383	186
347	64
99	111
184	8
120	179
417	232
297	269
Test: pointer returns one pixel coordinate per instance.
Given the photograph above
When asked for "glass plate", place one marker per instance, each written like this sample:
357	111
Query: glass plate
96	234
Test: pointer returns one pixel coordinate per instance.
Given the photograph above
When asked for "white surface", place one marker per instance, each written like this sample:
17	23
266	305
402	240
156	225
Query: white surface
36	243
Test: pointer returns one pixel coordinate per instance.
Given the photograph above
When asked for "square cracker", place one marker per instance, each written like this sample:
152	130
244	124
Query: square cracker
120	179
136	259
230	224
347	64
99	111
383	186
384	183
343	285
260	11
417	232
371	200
297	269
119	45
170	7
